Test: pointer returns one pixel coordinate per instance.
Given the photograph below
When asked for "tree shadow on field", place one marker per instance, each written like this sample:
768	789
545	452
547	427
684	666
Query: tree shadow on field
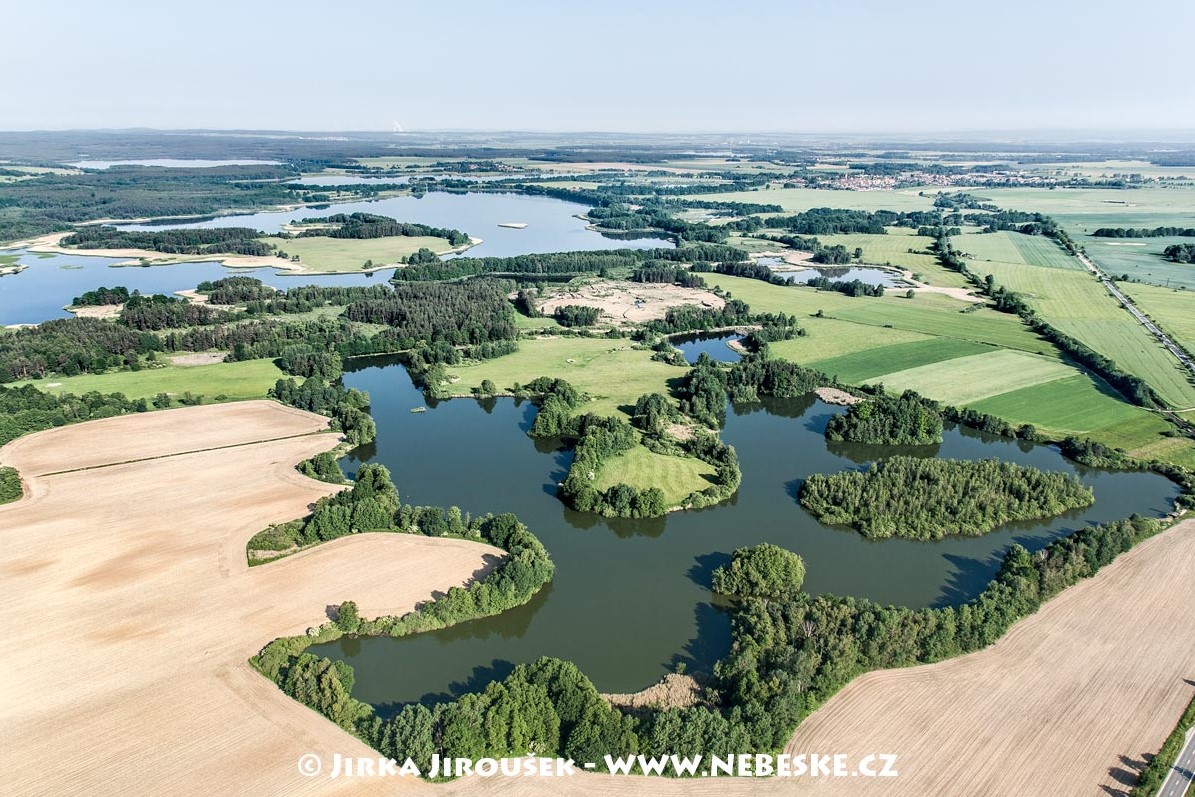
1126	774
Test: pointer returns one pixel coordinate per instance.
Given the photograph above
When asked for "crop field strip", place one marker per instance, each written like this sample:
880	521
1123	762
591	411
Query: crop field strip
1058	398
1077	304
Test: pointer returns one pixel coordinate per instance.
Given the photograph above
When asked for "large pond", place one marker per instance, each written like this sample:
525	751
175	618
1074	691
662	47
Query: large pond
868	276
51	281
552	224
630	598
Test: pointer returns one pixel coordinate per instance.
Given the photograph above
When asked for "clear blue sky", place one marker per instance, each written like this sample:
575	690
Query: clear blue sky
643	65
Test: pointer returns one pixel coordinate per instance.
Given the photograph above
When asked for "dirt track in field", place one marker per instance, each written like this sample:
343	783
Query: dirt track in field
129	611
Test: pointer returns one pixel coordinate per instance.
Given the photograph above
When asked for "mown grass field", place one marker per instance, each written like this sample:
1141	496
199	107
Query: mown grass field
239	380
611	372
349	254
677	477
963	380
1076	303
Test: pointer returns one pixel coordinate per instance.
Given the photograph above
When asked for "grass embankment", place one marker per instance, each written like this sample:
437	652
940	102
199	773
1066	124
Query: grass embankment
642	469
612	373
980	358
239	380
348	255
10	485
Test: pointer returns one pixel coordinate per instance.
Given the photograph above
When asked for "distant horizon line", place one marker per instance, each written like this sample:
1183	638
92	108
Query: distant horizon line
1126	135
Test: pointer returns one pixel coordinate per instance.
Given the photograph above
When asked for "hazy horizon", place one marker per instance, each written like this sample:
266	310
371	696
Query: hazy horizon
923	68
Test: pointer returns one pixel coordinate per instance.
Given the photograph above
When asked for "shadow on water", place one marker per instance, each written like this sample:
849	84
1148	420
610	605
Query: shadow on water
630	599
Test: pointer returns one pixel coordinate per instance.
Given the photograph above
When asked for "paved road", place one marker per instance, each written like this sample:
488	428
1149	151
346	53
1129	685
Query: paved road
1179	779
1140	316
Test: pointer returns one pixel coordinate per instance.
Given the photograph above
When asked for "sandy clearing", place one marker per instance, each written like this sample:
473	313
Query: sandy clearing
630	302
199	358
130	611
96	311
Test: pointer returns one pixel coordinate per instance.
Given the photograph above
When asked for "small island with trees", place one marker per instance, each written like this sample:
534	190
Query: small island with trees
927	499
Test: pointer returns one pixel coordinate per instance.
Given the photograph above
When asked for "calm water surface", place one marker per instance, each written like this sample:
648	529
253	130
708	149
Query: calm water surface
631	598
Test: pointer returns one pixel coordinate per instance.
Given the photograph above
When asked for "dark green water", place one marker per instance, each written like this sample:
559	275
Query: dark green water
631	598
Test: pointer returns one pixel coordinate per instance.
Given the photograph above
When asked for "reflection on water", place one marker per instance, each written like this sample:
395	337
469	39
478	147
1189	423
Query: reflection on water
630	598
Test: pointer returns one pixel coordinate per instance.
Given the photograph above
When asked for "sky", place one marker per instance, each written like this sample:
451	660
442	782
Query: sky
641	66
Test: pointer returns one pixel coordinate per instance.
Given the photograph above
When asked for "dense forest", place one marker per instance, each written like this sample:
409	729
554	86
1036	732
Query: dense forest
193	241
369	225
101	296
927	499
476	311
907	420
55	202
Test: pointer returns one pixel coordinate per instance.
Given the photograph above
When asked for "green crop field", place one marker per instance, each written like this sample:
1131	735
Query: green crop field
610	371
1173	310
239	380
320	254
827	338
677	477
1141	259
1076	303
863	366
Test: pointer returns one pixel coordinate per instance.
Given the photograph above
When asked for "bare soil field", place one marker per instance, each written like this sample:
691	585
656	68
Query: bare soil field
198	358
130	611
624	302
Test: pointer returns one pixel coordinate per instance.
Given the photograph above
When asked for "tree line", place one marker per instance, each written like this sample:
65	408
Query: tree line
192	241
927	499
1144	232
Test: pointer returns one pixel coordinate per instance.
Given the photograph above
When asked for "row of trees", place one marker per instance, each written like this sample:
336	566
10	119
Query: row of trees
926	499
907	419
788	656
26	409
1145	232
567	264
848	287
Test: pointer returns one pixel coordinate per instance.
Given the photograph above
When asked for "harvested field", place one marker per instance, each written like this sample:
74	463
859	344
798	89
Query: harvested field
624	302
136	667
